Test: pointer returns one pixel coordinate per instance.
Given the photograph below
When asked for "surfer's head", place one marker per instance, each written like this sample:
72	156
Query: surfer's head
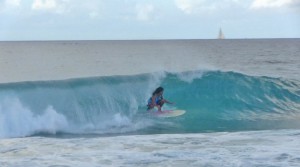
158	91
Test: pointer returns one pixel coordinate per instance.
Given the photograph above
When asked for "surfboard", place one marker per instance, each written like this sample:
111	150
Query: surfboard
169	113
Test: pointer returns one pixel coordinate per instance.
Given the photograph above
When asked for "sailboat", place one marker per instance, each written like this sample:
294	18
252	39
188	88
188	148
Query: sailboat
221	35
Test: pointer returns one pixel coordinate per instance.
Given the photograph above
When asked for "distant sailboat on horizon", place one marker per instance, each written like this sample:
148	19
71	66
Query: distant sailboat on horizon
221	35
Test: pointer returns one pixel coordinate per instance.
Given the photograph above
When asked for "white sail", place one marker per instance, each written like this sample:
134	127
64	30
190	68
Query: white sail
221	35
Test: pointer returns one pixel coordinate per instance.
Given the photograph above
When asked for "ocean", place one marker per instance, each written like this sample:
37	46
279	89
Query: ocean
83	103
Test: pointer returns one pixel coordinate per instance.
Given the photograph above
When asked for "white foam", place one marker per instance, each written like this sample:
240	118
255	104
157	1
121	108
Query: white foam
190	76
113	124
256	148
17	120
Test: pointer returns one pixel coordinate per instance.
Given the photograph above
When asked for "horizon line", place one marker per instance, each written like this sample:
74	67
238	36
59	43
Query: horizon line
158	39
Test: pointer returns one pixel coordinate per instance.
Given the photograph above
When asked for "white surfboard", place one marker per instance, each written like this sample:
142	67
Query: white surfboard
169	113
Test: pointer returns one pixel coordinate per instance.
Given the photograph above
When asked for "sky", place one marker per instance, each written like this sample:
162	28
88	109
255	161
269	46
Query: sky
145	19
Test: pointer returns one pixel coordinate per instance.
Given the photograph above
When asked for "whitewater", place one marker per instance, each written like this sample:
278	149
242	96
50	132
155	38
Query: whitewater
83	103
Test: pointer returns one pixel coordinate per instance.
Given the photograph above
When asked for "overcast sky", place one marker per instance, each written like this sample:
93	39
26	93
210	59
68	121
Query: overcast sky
145	19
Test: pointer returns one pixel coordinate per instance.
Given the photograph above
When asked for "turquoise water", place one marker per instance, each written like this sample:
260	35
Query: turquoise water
241	97
214	101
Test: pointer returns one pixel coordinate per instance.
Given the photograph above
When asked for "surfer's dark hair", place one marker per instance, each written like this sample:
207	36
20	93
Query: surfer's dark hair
158	90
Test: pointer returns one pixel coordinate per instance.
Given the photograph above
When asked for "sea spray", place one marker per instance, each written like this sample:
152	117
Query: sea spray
17	120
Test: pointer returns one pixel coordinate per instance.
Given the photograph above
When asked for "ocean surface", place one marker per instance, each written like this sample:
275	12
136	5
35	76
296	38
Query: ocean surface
83	103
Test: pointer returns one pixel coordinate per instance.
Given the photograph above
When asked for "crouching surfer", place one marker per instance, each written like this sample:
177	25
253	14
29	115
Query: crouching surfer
157	100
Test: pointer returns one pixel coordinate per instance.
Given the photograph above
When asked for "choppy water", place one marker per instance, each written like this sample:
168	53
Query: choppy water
260	148
104	118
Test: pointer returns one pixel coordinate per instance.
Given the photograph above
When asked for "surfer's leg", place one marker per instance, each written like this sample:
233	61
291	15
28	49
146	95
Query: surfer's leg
159	108
161	103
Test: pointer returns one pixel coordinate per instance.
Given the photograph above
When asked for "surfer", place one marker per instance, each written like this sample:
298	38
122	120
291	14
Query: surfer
157	100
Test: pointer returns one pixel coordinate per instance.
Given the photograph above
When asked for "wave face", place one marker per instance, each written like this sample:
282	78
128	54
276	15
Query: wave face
214	101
